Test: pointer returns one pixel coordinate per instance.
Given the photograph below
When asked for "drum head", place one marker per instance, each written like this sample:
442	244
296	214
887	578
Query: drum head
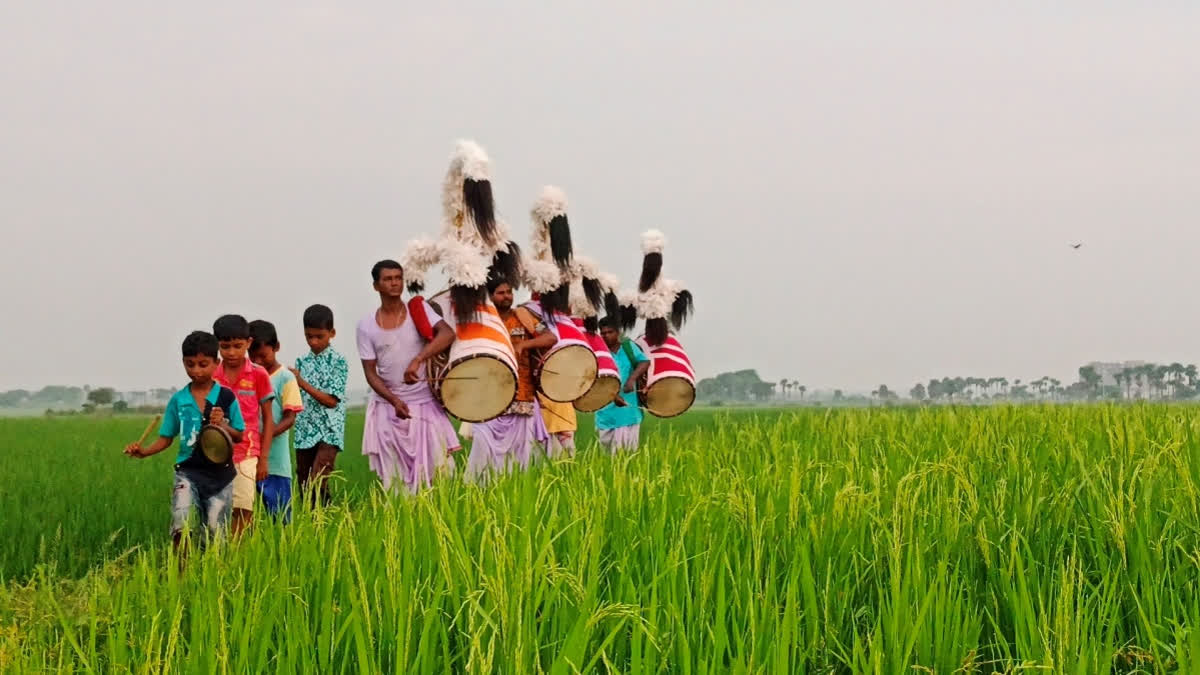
669	397
567	373
477	388
215	444
603	391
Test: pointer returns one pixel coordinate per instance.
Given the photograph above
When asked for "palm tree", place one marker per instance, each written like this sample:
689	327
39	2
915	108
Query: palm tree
783	384
802	389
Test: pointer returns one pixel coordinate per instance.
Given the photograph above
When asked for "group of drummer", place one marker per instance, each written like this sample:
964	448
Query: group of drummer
514	375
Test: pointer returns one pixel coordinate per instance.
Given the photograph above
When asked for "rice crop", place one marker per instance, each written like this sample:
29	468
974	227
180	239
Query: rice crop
1045	539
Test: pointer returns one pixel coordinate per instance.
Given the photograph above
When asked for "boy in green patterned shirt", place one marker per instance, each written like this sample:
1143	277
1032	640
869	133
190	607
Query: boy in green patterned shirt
320	429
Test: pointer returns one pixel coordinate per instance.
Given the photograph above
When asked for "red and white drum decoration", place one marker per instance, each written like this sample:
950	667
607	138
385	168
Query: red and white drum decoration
568	369
670	387
608	379
476	379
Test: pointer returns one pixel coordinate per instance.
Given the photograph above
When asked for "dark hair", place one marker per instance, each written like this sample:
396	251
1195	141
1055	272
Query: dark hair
199	343
378	268
318	316
231	327
263	333
495	282
608	322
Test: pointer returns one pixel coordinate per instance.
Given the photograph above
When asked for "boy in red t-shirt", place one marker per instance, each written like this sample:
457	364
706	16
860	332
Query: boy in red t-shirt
252	386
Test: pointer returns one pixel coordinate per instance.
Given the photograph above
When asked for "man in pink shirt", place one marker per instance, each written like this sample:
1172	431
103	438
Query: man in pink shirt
252	386
407	434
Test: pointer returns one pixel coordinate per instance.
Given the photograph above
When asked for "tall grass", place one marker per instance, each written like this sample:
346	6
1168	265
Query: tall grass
944	540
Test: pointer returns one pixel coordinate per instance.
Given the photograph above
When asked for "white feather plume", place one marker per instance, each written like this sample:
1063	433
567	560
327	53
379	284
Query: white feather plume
582	266
653	241
467	161
551	203
656	302
541	276
465	265
627	298
418	257
609	282
473	160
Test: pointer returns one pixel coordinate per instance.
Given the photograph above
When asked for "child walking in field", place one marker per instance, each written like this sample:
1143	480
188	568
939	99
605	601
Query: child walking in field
252	386
276	488
199	483
320	427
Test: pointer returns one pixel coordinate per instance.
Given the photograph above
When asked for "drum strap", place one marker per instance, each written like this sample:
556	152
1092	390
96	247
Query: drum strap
416	311
525	318
627	346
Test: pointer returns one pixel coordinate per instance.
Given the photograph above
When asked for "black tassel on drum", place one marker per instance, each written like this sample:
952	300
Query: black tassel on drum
628	317
556	301
477	197
651	267
466	301
612	306
593	292
415	287
506	265
656	332
591	324
560	241
681	309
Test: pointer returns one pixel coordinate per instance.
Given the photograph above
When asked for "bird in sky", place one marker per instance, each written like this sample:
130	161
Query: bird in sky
1076	246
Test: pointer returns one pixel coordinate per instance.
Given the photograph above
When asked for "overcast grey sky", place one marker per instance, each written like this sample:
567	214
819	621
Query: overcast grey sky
855	192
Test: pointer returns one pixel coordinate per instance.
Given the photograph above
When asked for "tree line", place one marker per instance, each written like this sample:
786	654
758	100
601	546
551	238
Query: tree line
1147	381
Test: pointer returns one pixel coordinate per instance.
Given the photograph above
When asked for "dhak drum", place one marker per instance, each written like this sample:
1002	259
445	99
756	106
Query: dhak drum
670	387
568	369
608	379
476	379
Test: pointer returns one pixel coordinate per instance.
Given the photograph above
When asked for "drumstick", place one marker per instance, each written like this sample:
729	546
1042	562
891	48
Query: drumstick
442	379
149	427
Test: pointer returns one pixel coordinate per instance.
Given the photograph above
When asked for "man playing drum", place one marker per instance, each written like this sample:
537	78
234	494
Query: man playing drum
509	439
407	434
618	423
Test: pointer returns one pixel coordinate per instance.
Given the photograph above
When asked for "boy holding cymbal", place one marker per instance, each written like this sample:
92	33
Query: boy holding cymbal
203	479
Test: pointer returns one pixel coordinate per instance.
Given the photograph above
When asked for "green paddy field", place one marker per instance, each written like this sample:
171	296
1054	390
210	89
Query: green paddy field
946	540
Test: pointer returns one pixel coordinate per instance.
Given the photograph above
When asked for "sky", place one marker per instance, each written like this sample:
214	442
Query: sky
856	193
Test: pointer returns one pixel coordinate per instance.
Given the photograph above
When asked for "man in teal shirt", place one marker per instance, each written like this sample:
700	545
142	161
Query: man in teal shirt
618	423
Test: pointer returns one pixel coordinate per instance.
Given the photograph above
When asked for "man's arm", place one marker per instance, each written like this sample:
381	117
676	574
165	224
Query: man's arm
376	382
638	371
443	337
543	340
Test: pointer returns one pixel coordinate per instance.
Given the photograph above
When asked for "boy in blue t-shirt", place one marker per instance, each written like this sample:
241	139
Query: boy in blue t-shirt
618	424
276	489
199	483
